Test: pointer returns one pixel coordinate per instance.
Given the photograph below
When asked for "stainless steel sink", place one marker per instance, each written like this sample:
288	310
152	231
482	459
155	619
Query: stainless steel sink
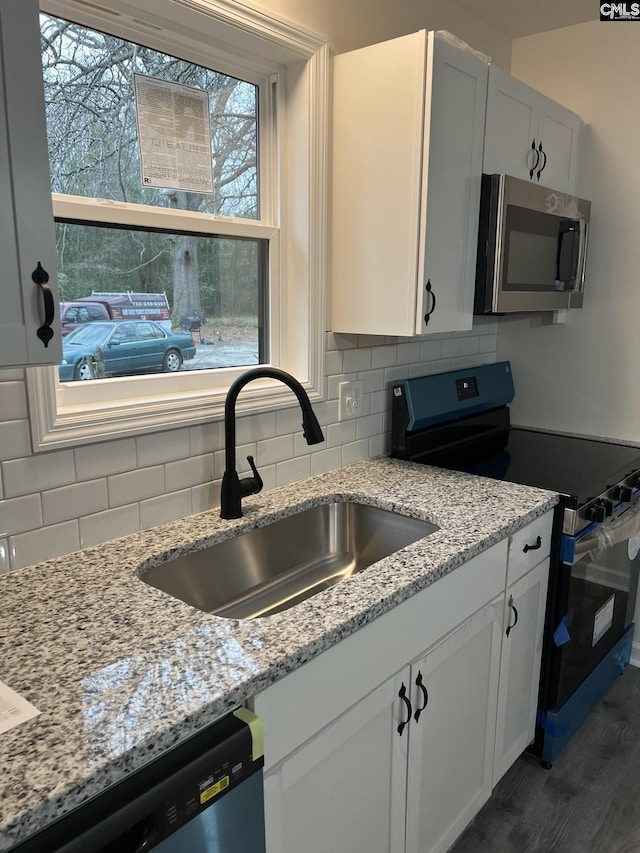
271	568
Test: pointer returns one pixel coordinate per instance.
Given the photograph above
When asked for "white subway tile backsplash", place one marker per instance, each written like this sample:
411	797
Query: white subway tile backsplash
275	450
20	514
5	563
293	469
101	460
385	356
408	353
255	428
205	496
110	524
333	362
366	427
39	545
74	501
378	445
337	434
159	447
326	412
372	380
378	401
15	439
355	452
430	350
354	360
205	438
189	472
14	402
289	420
326	460
451	347
36	473
165	508
136	485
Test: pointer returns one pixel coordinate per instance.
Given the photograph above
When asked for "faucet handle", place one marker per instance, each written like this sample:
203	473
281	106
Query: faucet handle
256	480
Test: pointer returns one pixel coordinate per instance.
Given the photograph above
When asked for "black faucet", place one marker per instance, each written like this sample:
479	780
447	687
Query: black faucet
234	489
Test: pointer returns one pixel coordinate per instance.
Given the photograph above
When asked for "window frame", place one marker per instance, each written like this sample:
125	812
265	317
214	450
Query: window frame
292	66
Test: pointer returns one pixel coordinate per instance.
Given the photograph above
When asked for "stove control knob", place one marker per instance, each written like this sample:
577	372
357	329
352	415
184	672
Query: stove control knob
599	510
624	494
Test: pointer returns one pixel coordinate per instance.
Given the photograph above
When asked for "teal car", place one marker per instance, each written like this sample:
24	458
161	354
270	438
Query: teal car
122	348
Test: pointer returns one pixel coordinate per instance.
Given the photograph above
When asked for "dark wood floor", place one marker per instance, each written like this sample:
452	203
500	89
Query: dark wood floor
589	802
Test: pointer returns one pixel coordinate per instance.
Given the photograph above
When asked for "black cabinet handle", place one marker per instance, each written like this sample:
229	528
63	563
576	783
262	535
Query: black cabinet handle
532	170
430	293
535	547
544	165
41	277
425	696
515	613
403	695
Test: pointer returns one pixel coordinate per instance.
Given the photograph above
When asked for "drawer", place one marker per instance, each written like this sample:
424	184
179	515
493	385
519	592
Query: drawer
529	546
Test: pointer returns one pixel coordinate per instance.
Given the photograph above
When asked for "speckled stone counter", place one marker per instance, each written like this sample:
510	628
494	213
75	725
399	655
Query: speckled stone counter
121	671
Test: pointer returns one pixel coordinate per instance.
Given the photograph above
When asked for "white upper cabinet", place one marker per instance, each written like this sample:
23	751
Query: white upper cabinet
27	239
408	134
530	136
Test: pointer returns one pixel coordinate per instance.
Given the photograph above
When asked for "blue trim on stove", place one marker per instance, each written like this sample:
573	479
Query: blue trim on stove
560	724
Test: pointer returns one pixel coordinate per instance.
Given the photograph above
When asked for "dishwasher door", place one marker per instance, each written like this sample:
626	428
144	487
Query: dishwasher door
203	796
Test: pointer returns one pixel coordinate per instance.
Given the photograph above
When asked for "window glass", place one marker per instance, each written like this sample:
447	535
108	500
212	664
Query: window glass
213	287
92	124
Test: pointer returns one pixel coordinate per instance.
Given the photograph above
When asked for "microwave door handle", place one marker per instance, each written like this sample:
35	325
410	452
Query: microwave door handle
565	250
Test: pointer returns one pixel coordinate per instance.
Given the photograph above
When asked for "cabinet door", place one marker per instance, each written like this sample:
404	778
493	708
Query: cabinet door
344	790
520	666
559	133
407	167
452	174
451	745
511	126
26	220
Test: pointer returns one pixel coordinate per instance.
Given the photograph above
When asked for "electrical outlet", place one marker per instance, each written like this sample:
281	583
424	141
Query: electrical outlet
349	399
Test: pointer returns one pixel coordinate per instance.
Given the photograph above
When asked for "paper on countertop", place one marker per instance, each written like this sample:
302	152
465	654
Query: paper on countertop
14	709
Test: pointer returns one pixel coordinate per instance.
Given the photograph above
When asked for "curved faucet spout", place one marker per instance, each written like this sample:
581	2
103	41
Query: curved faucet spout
234	489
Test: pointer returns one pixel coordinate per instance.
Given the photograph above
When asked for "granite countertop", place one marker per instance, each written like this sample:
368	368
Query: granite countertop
121	671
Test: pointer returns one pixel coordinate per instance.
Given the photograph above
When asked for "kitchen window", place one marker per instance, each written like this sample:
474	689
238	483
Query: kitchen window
255	235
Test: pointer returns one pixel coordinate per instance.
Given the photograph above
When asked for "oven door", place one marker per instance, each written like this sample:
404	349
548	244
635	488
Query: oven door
535	246
596	601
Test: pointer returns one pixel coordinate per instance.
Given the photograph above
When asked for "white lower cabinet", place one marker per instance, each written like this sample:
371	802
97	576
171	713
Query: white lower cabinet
520	666
407	767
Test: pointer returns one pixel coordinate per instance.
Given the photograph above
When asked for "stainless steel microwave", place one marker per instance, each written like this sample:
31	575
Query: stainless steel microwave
532	247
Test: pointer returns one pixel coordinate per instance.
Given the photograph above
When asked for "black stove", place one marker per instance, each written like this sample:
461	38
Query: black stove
460	420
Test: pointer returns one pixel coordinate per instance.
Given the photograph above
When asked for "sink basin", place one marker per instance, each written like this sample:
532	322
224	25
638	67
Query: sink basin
272	568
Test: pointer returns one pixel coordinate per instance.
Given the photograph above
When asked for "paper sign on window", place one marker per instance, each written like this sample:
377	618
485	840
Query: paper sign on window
174	135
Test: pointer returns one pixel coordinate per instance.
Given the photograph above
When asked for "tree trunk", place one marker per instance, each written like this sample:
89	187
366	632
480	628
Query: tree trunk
186	283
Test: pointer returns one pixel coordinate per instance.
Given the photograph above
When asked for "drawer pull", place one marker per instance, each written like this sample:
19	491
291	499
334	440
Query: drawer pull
535	547
403	695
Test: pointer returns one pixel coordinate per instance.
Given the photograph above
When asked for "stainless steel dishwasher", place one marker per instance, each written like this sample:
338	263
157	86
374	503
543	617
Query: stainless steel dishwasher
203	796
